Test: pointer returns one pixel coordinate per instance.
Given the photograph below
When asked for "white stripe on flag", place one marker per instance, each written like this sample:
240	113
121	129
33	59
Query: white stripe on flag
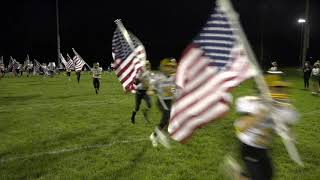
213	113
134	73
128	60
206	95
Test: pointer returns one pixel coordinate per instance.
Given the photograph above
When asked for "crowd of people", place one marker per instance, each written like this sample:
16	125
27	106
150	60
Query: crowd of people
310	72
313	73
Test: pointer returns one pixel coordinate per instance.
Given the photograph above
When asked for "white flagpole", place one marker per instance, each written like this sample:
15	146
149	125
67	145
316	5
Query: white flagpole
265	93
124	32
233	16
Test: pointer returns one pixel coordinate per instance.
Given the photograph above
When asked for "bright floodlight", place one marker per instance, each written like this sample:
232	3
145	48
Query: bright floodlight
301	20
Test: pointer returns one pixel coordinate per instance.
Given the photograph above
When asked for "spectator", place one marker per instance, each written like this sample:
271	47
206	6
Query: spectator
274	66
306	74
315	78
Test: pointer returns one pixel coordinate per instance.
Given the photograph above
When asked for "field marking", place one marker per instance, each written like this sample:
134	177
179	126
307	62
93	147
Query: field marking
89	147
66	150
55	105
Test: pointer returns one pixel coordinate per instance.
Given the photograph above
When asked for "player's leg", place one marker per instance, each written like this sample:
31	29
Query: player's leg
147	99
78	76
138	99
256	162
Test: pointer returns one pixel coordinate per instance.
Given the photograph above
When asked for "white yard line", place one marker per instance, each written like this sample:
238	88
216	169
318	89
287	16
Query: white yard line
71	149
54	105
89	147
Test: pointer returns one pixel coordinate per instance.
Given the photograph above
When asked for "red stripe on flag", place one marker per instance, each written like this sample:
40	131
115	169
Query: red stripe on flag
124	68
205	102
221	115
199	99
129	74
205	121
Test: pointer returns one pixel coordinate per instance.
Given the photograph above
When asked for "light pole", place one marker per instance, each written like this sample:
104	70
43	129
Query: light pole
306	30
58	34
302	22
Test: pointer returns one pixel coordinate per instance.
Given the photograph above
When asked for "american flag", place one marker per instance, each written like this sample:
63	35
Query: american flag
78	61
127	61
212	65
10	63
70	64
13	64
37	66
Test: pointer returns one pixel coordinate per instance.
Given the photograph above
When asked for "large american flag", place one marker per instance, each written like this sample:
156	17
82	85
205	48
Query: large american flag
78	61
127	61
212	65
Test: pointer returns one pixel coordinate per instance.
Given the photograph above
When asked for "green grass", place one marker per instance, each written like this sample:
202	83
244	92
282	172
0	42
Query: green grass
41	117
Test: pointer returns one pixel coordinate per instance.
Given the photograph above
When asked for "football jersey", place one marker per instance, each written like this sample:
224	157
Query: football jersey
164	85
96	72
142	80
256	127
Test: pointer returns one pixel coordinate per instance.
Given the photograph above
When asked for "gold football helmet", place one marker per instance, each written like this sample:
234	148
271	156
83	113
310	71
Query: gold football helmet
96	64
278	87
168	66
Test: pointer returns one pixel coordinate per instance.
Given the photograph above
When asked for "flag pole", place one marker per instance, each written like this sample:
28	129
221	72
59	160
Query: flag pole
262	86
124	32
233	16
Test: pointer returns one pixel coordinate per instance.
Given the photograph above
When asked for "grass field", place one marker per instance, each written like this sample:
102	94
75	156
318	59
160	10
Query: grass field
52	128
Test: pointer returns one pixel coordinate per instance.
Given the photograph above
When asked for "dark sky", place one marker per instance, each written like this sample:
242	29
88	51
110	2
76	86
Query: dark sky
165	27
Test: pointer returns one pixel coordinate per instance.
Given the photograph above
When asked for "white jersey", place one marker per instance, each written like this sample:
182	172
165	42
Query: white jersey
257	127
29	66
142	80
315	72
164	85
96	72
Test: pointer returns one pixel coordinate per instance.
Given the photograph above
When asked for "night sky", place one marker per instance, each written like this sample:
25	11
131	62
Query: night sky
165	27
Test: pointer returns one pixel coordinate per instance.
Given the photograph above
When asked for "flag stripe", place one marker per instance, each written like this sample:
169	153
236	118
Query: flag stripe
218	85
210	69
127	61
218	111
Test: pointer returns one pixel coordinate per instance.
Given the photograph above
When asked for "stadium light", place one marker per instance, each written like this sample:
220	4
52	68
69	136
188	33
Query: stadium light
301	20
